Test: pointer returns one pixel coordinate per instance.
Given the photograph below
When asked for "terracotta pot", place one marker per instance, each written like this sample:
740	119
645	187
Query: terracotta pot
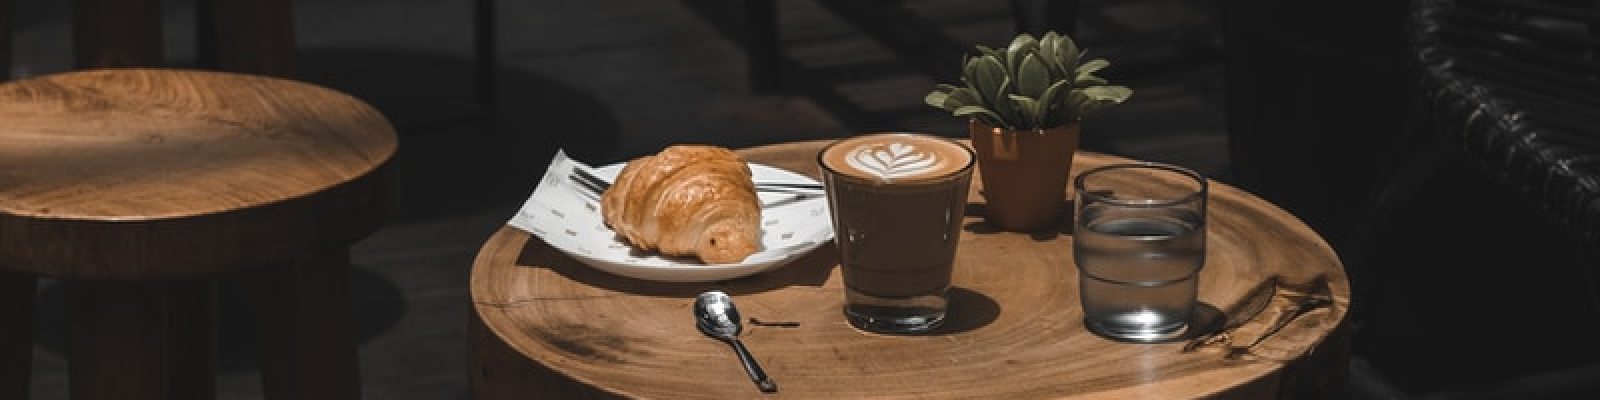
1024	173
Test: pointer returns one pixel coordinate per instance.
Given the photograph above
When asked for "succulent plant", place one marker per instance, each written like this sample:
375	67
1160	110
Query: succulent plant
1033	84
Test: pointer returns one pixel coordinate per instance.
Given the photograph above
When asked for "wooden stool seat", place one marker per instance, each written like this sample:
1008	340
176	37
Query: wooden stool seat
142	174
138	185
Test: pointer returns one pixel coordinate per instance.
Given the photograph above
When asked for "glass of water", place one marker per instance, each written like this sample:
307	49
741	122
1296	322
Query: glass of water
1139	241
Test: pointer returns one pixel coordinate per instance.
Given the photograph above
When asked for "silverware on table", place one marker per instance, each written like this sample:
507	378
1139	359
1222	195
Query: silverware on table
589	181
1242	311
716	316
1318	295
593	186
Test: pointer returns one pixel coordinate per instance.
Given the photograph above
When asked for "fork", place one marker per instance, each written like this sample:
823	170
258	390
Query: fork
588	181
584	176
593	187
1242	311
1318	297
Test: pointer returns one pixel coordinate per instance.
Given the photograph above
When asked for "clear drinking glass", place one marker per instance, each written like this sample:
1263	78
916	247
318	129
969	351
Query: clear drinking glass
1139	242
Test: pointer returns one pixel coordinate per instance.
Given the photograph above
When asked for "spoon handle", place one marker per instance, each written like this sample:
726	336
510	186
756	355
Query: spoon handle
753	369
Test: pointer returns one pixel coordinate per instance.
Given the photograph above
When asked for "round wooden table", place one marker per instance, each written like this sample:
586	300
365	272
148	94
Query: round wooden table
547	324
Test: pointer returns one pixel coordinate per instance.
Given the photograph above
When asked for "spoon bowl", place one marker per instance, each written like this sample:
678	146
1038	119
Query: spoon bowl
716	317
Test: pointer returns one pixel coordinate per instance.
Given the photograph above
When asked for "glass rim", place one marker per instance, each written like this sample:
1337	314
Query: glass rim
972	160
1200	192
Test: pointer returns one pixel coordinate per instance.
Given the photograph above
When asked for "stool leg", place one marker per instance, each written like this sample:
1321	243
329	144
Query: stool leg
250	36
16	339
307	335
142	340
116	33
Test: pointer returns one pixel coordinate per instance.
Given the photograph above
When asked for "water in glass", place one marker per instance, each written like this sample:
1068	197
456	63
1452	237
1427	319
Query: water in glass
1139	271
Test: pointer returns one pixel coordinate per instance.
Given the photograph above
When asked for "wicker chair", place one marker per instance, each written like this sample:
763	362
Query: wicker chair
1492	213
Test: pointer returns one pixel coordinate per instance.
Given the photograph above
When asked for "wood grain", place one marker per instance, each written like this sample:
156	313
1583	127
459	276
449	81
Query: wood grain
1015	329
495	371
147	173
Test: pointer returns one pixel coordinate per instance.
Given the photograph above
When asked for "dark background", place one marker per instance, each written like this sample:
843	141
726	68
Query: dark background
1297	101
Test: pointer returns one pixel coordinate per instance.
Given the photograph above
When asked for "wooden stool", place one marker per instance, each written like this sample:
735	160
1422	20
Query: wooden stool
139	186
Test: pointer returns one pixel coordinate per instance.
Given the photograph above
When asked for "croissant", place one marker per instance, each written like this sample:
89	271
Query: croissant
687	200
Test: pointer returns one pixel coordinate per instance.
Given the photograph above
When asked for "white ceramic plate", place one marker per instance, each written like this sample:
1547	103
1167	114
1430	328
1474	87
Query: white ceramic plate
792	224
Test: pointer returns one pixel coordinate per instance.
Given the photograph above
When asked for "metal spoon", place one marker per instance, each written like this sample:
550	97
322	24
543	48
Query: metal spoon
715	315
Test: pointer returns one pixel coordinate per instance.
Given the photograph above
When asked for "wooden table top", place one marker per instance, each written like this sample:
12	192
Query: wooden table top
1015	328
138	173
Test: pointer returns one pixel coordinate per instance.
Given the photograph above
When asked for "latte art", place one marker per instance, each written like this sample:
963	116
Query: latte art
893	161
896	159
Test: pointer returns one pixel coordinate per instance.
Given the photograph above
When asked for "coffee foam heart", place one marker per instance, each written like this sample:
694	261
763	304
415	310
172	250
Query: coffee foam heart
896	157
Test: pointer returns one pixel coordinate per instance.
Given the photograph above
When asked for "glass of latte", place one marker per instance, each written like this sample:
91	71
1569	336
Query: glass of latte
897	201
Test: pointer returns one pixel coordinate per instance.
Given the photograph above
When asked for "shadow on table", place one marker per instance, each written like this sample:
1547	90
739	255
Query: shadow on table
969	310
811	269
983	227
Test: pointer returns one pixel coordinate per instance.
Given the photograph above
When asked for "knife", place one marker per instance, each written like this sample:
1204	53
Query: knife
1242	311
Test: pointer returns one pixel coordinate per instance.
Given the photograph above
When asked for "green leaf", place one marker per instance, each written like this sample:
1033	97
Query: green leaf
1089	68
1028	109
1049	41
1003	107
988	75
988	51
937	99
1050	104
963	97
1068	55
1047	54
969	68
1090	80
1022	46
967	111
1113	94
1032	77
1090	100
1074	103
1057	116
1021	41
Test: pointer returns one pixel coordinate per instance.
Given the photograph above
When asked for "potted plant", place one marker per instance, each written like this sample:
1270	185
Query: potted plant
1024	105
